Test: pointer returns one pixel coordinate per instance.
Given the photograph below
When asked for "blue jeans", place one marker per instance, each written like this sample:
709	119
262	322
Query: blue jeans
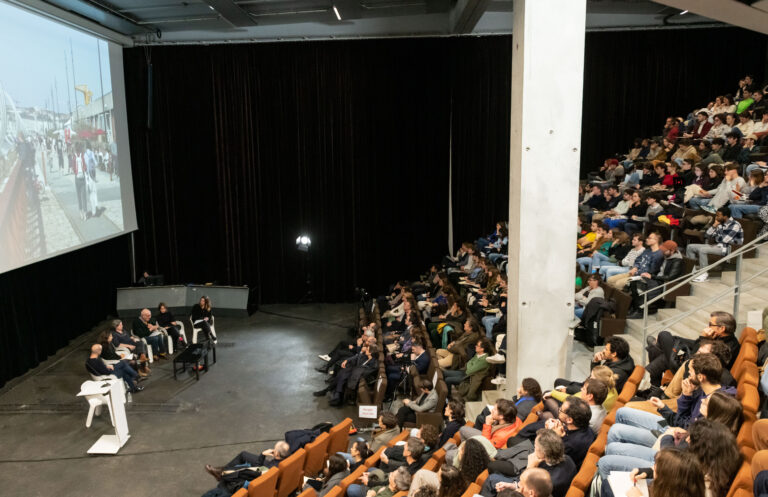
578	311
600	259
634	427
609	463
751	168
489	487
585	263
489	322
738	210
614	223
125	372
608	271
698	202
355	490
158	343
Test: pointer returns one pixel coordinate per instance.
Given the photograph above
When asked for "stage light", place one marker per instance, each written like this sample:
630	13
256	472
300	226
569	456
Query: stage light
683	12
303	243
336	11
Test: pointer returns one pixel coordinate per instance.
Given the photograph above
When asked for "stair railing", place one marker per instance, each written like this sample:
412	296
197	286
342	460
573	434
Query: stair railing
685	279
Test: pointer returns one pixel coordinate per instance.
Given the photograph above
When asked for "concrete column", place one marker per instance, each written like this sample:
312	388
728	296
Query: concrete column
547	81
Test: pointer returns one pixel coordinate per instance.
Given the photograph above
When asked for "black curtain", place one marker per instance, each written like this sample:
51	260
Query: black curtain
252	145
633	80
49	303
480	103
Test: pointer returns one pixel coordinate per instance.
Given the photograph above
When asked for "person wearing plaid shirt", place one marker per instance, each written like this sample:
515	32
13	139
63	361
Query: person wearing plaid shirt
725	232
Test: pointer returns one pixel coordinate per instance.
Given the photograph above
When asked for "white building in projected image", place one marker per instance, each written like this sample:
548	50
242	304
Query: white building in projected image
97	115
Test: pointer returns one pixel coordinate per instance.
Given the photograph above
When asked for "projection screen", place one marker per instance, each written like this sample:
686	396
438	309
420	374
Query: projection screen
65	166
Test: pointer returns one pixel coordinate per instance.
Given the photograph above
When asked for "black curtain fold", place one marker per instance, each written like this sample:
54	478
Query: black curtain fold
344	141
48	303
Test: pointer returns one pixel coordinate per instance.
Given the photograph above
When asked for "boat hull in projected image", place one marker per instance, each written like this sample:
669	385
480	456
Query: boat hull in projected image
63	144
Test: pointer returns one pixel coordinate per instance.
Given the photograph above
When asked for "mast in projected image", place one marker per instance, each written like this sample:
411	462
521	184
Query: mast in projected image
60	168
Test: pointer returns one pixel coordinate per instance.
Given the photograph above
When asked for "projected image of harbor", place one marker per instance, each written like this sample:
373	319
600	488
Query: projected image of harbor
59	156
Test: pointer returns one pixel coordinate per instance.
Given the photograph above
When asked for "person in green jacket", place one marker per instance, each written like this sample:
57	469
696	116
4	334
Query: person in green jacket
469	378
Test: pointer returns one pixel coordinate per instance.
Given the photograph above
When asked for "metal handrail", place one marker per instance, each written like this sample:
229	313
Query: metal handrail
735	288
684	314
687	278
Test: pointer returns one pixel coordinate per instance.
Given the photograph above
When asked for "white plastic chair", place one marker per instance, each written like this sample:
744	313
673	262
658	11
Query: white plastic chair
197	329
96	401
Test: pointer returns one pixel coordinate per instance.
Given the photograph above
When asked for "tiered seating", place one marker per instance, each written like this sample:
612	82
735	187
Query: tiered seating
744	370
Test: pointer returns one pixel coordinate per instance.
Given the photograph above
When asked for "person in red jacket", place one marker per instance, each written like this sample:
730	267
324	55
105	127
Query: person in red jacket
499	425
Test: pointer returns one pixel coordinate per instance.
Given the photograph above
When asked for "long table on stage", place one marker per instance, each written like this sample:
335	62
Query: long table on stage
226	300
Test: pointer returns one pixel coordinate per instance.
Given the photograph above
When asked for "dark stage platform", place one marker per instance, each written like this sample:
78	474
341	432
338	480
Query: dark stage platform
260	387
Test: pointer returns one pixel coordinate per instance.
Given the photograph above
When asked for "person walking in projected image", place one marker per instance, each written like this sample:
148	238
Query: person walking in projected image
90	180
80	173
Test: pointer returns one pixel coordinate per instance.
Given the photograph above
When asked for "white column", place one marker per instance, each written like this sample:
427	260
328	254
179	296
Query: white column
545	144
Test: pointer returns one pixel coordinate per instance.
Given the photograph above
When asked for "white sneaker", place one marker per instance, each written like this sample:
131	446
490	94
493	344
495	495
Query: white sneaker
496	359
701	277
499	380
325	357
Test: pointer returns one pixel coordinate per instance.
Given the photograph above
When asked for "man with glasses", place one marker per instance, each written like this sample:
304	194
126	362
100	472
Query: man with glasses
668	351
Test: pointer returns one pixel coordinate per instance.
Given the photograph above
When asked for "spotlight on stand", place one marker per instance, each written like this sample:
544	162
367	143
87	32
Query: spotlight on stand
303	243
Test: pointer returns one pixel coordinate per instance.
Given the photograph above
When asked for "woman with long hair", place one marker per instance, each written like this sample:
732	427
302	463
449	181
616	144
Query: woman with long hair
675	474
359	452
714	446
723	409
451	482
472	460
203	318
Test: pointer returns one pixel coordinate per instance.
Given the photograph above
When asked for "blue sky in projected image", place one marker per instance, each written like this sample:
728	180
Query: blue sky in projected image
32	57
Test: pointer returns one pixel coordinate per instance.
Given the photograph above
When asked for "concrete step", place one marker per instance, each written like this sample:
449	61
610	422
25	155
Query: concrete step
729	278
473	409
491	396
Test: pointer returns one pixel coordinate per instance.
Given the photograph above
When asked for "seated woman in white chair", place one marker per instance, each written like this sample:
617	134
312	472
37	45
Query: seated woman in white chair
111	354
202	317
166	320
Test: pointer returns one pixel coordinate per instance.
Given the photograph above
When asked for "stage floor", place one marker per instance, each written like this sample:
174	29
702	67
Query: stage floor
260	388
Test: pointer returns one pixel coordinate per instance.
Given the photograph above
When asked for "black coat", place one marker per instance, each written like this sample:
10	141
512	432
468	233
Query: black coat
361	369
673	268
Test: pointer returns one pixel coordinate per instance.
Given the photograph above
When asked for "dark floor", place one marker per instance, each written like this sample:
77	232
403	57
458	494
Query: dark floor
259	388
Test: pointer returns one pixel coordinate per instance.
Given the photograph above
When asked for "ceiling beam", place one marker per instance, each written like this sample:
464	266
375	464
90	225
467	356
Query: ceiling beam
231	13
727	11
464	15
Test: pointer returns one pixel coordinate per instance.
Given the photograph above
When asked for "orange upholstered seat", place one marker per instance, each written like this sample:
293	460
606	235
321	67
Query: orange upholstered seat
748	335
308	492
339	437
750	400
374	459
637	375
472	489
430	465
400	438
291	473
317	451
439	456
265	485
627	393
583	478
575	492
353	477
481	478
743	480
